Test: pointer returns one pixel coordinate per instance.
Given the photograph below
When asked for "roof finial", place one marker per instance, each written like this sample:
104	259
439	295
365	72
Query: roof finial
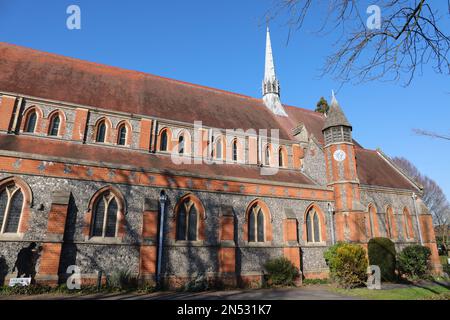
333	98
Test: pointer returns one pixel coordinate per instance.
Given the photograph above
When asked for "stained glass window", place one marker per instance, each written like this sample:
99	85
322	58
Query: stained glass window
105	216
54	126
101	132
122	136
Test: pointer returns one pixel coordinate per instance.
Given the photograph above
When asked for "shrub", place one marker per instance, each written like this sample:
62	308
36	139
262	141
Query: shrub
122	280
25	290
446	269
348	264
197	284
281	272
382	253
413	261
315	281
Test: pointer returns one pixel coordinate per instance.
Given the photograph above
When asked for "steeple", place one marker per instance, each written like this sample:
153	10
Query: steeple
271	85
336	129
335	116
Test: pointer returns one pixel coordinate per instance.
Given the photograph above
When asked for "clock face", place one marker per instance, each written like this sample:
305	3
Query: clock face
339	155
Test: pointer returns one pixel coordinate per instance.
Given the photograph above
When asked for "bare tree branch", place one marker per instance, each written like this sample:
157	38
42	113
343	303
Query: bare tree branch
431	134
410	37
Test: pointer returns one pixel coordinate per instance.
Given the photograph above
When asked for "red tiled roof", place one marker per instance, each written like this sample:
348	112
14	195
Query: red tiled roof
49	76
30	72
101	154
373	170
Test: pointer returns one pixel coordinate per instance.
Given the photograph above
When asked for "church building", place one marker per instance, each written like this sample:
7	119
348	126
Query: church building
109	170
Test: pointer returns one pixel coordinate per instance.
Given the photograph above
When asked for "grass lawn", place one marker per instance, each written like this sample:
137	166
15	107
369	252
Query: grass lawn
410	293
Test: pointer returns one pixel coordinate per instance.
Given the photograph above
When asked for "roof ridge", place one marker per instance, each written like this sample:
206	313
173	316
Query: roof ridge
106	66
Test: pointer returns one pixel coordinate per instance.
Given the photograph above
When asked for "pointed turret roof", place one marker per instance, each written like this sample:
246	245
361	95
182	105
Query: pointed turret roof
335	116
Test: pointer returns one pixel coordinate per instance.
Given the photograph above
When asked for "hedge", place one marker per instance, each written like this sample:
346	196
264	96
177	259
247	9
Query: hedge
382	253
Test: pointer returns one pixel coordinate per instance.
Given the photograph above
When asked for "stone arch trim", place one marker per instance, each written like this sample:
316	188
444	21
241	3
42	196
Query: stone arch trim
240	149
128	139
271	155
408	225
187	140
201	215
27	200
169	139
39	118
267	219
121	203
285	156
62	124
391	223
220	138
374	222
109	129
322	223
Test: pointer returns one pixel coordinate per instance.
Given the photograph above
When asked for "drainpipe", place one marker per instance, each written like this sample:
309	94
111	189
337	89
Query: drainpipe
330	211
162	202
414	196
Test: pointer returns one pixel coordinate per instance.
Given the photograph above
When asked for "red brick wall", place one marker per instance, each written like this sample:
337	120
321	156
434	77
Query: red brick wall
150	224
57	219
79	127
227	260
51	254
145	135
6	110
148	260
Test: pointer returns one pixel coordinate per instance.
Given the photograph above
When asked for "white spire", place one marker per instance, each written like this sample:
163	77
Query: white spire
271	86
269	74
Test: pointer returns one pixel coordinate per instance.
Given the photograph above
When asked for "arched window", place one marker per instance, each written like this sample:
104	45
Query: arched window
373	222
101	132
54	126
267	156
391	226
187	221
11	206
219	146
163	141
281	158
407	224
104	222
181	144
256	227
234	152
30	125
313	228
122	135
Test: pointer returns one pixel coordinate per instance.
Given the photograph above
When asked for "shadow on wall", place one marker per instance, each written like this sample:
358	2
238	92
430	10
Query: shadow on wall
3	270
69	249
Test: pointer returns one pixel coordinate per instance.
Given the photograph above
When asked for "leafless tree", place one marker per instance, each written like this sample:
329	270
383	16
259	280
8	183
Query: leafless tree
431	133
410	36
433	197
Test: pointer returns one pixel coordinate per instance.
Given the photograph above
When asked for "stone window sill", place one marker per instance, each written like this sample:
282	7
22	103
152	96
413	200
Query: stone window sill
259	244
11	236
186	243
102	240
315	244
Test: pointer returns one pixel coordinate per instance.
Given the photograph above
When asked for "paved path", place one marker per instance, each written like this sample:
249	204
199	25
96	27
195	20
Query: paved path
304	293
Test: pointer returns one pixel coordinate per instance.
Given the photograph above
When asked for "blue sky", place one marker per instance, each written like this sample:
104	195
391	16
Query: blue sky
221	44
